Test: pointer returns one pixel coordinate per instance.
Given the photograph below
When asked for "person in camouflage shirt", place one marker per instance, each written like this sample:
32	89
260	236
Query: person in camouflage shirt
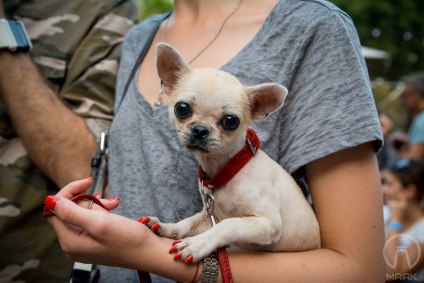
54	102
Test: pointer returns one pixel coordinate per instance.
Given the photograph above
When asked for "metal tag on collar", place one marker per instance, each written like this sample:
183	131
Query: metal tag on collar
252	148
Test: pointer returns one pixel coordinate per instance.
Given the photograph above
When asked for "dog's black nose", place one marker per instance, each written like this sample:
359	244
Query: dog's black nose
199	132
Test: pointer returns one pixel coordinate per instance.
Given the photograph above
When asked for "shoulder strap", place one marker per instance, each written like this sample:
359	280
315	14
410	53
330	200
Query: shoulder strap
142	55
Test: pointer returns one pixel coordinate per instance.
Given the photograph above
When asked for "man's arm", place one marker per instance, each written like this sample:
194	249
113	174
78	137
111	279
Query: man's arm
57	140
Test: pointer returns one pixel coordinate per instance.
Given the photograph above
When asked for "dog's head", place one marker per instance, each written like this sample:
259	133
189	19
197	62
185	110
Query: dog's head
210	108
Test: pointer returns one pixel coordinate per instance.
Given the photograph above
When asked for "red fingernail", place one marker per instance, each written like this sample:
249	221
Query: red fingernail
189	259
173	249
178	256
155	227
113	199
176	242
144	220
51	202
96	195
86	179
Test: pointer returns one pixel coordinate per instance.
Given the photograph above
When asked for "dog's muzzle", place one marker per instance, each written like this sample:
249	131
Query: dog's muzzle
199	133
199	137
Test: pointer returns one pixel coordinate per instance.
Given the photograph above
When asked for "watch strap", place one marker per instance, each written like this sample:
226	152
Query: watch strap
14	36
210	269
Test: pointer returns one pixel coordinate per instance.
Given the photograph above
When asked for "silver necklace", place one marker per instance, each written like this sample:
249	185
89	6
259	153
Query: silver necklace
221	27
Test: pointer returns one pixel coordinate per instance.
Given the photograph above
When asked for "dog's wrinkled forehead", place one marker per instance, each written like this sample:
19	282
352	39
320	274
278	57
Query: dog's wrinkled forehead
210	87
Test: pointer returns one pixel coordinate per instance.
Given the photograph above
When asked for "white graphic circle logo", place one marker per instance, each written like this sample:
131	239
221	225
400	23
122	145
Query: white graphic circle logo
402	250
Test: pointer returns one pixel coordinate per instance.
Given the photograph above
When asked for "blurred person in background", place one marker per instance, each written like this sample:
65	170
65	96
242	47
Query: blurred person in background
413	99
399	142
387	156
54	102
403	191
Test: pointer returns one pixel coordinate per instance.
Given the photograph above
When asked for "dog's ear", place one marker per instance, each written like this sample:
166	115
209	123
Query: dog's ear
170	65
265	99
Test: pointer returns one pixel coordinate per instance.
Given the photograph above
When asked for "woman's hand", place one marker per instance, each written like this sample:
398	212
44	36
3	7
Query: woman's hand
95	235
397	207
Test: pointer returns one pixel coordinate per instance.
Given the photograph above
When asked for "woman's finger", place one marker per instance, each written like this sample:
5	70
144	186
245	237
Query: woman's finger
75	188
71	213
109	203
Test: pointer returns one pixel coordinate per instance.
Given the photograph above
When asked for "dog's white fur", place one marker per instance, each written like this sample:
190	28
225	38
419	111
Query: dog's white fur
262	207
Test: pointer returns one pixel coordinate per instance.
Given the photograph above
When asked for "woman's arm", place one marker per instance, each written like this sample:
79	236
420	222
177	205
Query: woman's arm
345	187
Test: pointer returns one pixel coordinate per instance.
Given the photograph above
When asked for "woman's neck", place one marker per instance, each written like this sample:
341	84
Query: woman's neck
195	11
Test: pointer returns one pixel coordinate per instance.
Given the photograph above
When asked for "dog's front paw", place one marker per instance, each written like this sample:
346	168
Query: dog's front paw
152	222
161	229
192	249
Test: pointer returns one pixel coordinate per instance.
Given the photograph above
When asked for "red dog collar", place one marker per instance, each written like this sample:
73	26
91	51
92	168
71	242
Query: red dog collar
234	165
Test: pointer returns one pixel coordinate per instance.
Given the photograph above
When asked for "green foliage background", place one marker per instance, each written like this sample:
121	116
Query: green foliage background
396	26
150	7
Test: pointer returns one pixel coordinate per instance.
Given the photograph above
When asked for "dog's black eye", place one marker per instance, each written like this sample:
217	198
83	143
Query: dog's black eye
182	110
230	122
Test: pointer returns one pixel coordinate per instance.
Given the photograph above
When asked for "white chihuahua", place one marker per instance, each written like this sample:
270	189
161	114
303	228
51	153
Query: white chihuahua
257	205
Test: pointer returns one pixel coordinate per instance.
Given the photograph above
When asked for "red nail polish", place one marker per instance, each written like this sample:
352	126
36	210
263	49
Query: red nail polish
173	249
155	227
176	242
189	259
113	199
178	256
51	202
144	220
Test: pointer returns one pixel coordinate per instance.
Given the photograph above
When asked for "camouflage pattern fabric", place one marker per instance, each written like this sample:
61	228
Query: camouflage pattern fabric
76	47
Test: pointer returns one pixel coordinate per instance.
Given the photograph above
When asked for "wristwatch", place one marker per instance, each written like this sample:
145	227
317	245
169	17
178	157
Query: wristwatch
13	36
210	269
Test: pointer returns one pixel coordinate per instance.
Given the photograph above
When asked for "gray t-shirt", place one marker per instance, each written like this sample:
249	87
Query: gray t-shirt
311	47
